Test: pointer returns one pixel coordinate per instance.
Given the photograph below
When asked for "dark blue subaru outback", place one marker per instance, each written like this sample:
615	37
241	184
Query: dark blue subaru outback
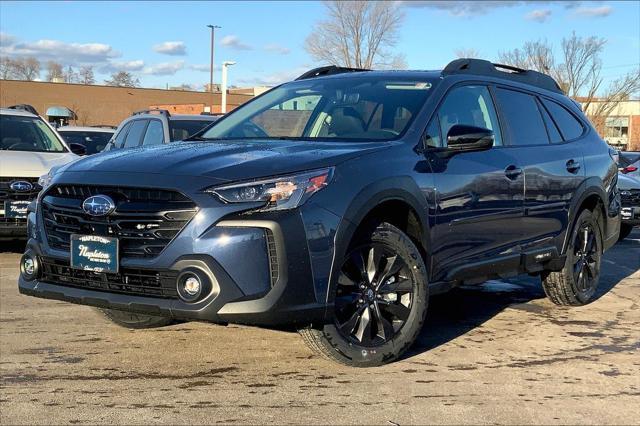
336	204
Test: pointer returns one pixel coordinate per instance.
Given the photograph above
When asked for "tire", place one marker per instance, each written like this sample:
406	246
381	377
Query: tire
134	320
383	283
576	283
625	230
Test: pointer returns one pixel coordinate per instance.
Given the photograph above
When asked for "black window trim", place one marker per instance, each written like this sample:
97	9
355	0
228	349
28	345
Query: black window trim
542	108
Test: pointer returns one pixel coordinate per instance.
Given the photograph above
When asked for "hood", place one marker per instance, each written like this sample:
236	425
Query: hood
228	160
31	164
627	182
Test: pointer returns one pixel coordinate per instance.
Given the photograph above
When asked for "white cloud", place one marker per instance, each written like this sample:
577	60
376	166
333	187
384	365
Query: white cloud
201	67
593	12
173	48
165	68
468	8
115	66
66	53
539	15
275	48
233	42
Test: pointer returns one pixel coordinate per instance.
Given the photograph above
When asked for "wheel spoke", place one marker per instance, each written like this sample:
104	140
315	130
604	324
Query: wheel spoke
385	329
398	310
403	285
348	326
590	242
364	328
372	265
386	273
585	237
346	299
344	280
358	262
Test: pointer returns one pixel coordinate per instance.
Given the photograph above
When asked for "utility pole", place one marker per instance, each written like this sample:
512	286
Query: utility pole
213	30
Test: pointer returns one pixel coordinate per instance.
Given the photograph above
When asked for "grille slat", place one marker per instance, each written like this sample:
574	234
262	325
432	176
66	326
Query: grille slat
144	221
129	281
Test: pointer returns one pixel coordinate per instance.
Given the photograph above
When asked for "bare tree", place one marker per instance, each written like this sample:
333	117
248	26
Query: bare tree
467	52
358	34
122	79
70	75
85	75
578	72
7	68
54	71
19	69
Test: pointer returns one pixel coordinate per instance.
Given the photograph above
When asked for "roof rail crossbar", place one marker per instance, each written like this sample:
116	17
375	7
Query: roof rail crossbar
24	107
153	111
486	68
328	70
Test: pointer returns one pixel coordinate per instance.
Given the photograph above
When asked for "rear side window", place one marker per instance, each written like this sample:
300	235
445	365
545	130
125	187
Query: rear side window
154	134
119	140
523	120
569	126
182	129
552	129
135	133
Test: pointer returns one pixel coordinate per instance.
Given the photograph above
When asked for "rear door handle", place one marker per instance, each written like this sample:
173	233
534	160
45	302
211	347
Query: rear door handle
573	166
512	172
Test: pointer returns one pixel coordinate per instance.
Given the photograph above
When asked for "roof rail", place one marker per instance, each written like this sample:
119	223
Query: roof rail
152	111
104	126
486	68
328	70
24	107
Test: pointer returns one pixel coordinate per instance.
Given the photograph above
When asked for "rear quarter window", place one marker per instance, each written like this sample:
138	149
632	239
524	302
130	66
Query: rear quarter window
569	125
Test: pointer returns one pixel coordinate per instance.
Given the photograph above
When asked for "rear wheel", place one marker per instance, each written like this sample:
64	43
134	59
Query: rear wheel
380	301
134	320
576	283
625	230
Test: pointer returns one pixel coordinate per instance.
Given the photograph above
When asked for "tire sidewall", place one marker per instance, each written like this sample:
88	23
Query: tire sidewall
369	356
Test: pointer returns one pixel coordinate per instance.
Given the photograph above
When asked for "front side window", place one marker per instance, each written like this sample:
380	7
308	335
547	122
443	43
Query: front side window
154	134
523	120
335	109
135	133
18	133
469	106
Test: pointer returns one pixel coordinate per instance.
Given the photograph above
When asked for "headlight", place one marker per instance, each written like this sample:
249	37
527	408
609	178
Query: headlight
281	193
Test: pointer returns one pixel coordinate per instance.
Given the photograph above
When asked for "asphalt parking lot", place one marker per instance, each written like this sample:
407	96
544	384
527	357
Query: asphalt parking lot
497	353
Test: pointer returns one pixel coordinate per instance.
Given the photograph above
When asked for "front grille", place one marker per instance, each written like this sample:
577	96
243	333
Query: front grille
144	220
632	199
138	282
7	194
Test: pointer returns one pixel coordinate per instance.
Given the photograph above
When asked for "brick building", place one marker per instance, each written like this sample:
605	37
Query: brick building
621	128
95	104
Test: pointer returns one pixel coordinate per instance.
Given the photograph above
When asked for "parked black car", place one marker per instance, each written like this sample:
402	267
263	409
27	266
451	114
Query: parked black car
630	198
337	203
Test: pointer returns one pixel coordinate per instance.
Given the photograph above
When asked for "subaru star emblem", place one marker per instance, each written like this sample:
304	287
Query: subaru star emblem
98	205
21	186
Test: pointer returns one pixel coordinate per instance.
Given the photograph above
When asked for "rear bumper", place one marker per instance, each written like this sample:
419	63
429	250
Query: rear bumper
630	215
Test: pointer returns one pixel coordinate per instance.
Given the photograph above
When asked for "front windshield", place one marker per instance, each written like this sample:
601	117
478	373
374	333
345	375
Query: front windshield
20	133
93	141
354	108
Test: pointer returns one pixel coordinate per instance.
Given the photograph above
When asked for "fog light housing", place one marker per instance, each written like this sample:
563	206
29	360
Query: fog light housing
29	266
192	285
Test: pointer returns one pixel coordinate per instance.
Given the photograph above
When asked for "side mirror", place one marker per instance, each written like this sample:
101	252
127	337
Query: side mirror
469	138
78	149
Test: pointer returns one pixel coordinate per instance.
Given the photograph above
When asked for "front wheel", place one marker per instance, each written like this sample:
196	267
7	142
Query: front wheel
380	301
576	283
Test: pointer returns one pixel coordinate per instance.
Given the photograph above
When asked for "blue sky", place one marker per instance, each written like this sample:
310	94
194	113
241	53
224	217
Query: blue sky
168	42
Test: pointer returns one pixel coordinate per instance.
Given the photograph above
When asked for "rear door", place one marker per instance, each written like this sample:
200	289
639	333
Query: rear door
479	195
553	166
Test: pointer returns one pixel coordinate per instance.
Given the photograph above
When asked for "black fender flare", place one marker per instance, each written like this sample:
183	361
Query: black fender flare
590	186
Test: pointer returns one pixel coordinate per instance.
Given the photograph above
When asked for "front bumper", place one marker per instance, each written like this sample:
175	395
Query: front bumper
267	269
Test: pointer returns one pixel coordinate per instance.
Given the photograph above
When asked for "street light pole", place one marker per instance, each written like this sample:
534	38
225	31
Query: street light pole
223	89
213	30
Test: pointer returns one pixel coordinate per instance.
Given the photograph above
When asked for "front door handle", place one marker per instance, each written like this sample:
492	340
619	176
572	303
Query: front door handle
573	166
512	172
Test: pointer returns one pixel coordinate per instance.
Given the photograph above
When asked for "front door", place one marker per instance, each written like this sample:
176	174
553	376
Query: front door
479	195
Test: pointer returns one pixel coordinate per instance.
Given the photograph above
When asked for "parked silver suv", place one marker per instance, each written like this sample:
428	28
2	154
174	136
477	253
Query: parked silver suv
157	126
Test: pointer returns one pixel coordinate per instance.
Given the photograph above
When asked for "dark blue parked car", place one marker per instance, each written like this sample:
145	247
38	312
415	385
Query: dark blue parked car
337	204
